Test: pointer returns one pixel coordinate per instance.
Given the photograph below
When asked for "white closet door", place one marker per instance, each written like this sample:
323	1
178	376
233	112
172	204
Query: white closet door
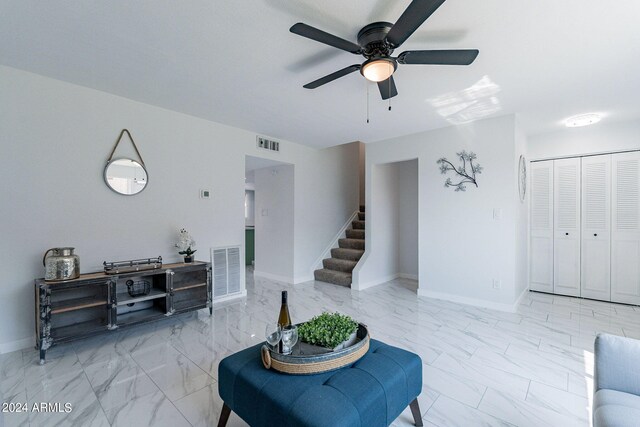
566	247
541	239
625	233
596	227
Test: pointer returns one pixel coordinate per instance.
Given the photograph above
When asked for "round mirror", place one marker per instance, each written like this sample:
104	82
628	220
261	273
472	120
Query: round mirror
125	176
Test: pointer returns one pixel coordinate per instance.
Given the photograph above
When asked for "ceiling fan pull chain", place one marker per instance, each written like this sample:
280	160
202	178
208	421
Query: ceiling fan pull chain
367	85
389	80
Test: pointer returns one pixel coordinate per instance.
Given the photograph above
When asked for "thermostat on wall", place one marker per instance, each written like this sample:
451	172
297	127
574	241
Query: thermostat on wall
205	194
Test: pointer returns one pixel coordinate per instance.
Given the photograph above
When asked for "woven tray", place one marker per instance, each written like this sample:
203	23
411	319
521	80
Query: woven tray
306	359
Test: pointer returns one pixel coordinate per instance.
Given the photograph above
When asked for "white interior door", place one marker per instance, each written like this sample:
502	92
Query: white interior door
596	228
566	247
541	239
625	229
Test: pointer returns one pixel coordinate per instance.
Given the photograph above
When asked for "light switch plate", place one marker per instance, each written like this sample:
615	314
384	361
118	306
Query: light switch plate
497	213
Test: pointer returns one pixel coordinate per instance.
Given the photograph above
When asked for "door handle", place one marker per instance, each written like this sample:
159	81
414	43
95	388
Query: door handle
566	234
595	235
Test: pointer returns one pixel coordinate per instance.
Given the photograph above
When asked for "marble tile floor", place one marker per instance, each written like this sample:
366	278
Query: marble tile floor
481	367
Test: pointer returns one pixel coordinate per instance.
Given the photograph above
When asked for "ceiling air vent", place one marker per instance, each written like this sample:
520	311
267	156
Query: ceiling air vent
267	144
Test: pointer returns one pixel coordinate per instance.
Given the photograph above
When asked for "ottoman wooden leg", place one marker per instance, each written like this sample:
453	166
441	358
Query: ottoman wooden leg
226	411
415	411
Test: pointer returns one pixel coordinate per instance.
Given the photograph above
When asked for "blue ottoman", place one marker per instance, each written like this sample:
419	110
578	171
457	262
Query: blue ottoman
372	392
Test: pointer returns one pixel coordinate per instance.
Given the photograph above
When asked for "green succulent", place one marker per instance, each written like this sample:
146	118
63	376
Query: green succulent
327	330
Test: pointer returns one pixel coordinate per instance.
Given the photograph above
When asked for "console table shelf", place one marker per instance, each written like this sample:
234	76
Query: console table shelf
77	304
96	303
77	329
140	316
184	288
124	298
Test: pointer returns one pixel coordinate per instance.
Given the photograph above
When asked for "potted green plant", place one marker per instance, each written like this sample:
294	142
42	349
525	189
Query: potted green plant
184	244
331	330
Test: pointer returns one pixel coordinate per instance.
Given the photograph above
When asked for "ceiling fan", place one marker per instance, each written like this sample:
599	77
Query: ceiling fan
377	41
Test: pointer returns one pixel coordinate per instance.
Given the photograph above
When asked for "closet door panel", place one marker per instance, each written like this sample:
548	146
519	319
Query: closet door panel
596	228
541	237
627	286
541	264
625	232
566	196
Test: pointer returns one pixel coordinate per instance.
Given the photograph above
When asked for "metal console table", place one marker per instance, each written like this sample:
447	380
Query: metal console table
98	302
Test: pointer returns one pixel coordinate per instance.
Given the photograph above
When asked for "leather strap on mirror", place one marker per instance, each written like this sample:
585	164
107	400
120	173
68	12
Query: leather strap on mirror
132	142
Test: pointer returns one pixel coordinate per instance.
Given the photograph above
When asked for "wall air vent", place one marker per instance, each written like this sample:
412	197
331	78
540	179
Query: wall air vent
226	270
267	144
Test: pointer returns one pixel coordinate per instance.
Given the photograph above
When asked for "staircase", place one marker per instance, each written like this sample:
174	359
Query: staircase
338	268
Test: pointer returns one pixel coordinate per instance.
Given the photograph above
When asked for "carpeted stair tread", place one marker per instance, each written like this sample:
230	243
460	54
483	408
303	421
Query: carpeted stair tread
338	268
351	243
355	234
337	264
346	253
332	276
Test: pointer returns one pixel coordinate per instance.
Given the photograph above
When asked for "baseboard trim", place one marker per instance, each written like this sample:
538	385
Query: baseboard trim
275	277
376	282
9	347
477	302
519	300
407	276
303	279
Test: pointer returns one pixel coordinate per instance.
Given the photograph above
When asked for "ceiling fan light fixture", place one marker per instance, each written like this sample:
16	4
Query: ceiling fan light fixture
582	120
378	69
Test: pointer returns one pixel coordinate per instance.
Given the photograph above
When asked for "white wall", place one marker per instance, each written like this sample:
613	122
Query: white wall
326	195
274	222
599	138
382	246
361	166
393	250
250	217
56	138
521	232
462	247
408	218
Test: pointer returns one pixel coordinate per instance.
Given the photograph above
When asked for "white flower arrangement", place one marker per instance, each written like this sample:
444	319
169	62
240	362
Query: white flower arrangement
185	243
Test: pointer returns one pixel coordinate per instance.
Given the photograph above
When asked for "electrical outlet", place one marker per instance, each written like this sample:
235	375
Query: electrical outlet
265	212
496	284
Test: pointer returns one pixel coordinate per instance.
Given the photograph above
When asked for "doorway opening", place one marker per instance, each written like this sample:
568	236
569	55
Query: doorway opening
269	212
392	226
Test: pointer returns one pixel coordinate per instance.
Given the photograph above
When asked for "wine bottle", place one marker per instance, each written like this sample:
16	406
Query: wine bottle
284	319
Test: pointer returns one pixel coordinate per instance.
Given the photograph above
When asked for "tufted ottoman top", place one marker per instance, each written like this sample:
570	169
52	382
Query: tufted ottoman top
372	392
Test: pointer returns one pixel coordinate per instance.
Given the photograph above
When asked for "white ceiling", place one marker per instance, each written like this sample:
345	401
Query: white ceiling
235	62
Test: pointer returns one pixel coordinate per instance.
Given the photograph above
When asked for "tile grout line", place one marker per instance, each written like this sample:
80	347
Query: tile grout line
483	394
160	390
104	412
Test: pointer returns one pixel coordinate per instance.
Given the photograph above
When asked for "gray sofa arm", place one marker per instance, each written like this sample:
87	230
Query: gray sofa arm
617	364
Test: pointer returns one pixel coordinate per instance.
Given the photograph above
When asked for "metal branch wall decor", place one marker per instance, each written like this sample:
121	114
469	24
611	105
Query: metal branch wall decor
464	176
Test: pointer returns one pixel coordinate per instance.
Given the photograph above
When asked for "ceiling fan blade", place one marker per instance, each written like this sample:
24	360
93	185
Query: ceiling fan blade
417	12
438	57
312	33
388	88
331	77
